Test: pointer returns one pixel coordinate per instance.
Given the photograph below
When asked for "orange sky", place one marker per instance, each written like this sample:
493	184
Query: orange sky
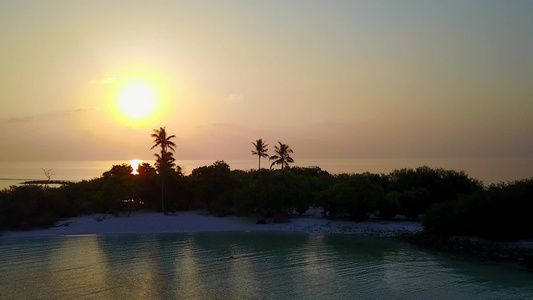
333	79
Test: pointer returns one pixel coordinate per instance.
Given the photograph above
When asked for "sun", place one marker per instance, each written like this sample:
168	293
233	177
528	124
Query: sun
137	101
137	98
135	166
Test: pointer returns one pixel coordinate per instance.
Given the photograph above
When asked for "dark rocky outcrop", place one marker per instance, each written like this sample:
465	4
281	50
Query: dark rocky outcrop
471	247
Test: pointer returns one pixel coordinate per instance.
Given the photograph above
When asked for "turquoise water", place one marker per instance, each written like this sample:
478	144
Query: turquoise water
264	266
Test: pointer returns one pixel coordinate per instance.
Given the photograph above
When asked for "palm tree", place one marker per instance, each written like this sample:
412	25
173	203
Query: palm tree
260	150
282	158
165	161
161	139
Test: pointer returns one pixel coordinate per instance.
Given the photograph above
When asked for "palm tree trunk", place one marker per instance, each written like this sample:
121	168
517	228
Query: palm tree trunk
162	194
162	173
259	162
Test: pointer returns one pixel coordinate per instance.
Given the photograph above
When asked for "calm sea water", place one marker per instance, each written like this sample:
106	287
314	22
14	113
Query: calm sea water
265	266
489	170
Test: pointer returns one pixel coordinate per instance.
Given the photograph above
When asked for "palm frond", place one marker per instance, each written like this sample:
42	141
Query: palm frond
162	140
282	156
274	163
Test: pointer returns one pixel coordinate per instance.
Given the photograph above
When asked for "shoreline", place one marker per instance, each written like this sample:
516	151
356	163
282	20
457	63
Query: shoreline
411	232
194	221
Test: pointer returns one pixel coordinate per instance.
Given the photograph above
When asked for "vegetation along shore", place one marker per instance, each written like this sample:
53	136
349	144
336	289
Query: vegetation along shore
448	202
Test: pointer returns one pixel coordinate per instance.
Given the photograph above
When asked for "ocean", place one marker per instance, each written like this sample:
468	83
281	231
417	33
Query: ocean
245	265
488	170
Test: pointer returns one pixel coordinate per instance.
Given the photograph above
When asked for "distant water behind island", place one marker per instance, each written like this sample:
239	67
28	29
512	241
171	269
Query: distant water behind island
488	170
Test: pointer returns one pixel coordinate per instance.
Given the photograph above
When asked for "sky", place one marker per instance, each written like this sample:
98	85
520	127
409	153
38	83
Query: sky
332	79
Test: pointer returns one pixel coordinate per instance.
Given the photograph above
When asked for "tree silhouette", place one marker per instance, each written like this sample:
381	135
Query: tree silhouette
161	139
283	157
260	150
48	173
165	160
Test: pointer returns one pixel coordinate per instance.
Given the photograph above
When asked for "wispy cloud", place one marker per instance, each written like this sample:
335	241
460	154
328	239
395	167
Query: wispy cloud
27	119
17	120
105	80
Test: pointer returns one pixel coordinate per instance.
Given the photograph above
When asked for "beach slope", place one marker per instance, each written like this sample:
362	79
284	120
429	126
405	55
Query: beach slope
191	221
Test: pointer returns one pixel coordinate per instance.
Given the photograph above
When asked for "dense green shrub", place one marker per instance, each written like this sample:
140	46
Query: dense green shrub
502	211
455	204
279	192
87	195
309	184
413	202
423	187
179	193
354	196
149	186
214	184
389	206
266	192
27	207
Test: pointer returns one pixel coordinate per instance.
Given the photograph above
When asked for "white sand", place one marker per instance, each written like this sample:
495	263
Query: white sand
144	222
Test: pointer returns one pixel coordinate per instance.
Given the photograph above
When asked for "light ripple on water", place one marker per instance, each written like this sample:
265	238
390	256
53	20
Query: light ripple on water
264	266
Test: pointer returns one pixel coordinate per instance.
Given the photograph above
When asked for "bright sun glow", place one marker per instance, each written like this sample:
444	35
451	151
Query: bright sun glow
138	97
137	101
135	165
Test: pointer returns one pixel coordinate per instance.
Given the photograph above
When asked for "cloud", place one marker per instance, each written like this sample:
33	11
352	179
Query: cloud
27	119
17	120
105	80
82	110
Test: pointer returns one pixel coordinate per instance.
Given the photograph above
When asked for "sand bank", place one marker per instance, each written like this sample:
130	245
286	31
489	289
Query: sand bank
148	222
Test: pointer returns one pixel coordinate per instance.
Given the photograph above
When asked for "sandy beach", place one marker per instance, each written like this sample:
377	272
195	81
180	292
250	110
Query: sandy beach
192	221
